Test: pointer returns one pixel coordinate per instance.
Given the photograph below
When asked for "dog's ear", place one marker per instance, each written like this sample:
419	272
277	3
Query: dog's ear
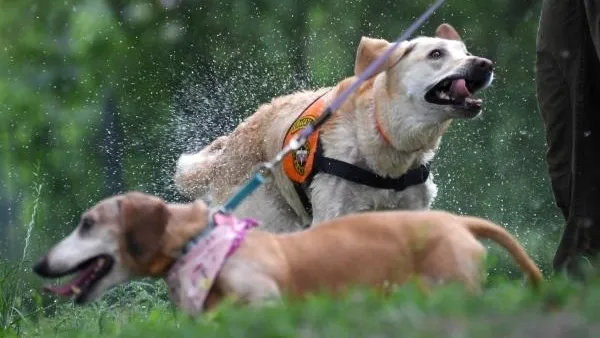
369	49
144	220
446	31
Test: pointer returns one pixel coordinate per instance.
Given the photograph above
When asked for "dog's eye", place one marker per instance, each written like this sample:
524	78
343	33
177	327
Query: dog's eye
436	54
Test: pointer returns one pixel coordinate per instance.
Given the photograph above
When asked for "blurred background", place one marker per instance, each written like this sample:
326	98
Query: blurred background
99	97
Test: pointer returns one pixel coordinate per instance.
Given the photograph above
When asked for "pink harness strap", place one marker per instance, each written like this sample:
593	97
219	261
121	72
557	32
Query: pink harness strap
192	276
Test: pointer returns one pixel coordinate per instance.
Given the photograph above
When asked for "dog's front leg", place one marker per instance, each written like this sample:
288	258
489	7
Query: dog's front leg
246	281
264	292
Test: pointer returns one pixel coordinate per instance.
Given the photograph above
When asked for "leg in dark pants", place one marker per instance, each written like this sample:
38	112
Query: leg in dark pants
567	70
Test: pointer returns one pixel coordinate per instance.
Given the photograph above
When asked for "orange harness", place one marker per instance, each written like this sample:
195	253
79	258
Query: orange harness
301	165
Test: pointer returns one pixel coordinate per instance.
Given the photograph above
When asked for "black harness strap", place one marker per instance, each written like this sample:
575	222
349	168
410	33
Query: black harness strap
357	175
362	176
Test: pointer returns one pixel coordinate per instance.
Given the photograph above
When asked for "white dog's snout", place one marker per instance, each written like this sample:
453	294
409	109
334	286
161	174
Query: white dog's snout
72	251
65	255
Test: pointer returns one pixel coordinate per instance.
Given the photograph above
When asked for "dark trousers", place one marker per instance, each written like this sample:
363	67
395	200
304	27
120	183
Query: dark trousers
568	94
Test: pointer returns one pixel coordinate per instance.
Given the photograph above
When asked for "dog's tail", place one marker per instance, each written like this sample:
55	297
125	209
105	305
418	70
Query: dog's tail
486	229
193	172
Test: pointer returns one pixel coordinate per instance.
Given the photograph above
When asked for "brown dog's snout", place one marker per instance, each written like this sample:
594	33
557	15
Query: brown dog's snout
483	64
42	268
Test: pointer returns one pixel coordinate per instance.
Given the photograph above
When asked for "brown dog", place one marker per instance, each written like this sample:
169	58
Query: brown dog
136	235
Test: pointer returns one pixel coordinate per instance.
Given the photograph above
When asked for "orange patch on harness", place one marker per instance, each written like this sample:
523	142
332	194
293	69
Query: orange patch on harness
298	164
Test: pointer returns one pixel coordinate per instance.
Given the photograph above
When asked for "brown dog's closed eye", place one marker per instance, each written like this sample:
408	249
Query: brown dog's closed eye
144	221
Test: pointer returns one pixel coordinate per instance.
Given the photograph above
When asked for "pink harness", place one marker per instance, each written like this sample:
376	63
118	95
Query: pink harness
192	276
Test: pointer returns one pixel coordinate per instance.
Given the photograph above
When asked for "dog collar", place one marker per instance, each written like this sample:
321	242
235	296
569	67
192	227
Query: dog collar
384	136
215	219
192	275
212	223
378	126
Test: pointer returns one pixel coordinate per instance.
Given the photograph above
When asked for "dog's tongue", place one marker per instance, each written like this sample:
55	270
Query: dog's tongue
61	290
458	89
68	289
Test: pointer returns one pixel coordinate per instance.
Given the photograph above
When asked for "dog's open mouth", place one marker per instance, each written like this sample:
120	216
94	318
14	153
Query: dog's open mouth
456	91
87	275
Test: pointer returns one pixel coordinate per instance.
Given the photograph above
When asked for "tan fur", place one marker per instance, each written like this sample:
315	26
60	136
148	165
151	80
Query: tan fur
374	249
394	97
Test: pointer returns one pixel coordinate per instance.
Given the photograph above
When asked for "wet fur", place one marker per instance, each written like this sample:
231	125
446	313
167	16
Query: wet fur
395	95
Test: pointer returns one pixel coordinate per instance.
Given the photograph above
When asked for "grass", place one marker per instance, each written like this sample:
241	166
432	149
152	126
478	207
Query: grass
506	309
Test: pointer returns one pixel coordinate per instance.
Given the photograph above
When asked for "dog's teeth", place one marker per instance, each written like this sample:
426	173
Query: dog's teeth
473	101
75	289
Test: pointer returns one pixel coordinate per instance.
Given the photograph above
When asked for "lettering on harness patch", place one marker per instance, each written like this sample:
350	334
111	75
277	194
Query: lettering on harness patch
301	123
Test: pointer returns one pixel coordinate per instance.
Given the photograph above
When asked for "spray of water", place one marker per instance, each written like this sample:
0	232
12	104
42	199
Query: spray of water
212	103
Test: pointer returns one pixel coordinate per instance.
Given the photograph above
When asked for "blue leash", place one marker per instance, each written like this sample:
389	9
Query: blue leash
252	184
299	139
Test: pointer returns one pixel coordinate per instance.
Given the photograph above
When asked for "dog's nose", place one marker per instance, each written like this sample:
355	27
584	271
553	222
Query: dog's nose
42	268
484	64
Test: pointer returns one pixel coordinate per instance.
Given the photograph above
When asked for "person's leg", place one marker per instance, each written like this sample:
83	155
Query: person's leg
592	11
586	184
554	97
554	102
557	72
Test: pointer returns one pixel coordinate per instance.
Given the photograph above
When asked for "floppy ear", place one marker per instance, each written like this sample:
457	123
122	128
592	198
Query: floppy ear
446	31
370	49
144	220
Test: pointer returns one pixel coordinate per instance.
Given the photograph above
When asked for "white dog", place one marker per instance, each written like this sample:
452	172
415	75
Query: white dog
370	155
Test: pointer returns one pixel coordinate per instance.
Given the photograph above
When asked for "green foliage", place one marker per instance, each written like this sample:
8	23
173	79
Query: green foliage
506	308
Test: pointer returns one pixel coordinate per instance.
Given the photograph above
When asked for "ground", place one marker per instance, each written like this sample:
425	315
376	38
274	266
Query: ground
507	308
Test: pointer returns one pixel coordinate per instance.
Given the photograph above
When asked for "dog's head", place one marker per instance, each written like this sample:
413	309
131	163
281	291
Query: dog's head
119	239
437	75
